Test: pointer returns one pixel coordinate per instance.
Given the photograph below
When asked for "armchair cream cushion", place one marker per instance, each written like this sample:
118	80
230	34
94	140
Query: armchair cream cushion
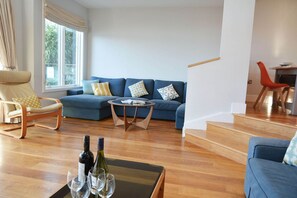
14	85
28	101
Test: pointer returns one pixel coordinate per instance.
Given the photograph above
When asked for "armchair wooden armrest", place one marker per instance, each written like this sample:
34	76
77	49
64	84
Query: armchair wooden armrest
22	106
51	99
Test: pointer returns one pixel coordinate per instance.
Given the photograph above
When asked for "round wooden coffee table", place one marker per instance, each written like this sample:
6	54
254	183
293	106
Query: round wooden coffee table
143	123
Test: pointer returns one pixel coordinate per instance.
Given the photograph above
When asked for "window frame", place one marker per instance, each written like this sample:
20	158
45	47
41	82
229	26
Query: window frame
61	59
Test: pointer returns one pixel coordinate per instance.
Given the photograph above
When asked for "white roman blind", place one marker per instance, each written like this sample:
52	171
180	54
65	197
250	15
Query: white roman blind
60	16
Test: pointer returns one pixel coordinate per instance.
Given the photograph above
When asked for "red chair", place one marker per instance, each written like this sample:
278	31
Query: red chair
268	85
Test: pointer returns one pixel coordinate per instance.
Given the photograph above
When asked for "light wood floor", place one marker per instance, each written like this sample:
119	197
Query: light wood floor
37	166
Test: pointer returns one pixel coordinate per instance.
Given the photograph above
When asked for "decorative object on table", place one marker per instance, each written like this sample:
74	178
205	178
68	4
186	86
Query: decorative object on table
16	84
138	89
86	158
135	102
290	157
283	64
168	92
268	85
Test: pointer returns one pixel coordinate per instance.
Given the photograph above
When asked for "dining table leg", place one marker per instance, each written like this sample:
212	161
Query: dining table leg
294	105
275	94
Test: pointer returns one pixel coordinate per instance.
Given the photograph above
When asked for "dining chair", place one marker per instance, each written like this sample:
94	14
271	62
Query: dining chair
20	101
268	85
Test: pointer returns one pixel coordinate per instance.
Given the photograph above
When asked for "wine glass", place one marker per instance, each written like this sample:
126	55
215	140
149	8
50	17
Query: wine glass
109	187
96	180
74	182
84	192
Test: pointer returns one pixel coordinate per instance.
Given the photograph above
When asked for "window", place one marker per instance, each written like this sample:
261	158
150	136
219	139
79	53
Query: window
63	56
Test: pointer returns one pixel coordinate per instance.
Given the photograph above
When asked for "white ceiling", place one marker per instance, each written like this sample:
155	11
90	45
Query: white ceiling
148	3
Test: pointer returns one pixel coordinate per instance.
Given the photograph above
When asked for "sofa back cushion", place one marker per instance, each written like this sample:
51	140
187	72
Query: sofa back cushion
116	85
178	86
148	83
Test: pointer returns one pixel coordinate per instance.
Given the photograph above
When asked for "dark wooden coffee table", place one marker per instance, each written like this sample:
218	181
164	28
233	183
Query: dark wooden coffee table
133	180
143	123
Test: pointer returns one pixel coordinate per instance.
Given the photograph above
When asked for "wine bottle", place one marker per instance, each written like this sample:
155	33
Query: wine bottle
100	161
86	158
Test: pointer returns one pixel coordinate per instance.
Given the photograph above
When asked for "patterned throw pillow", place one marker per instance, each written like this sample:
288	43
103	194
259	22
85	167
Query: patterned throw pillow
101	89
87	86
138	89
29	101
168	92
291	153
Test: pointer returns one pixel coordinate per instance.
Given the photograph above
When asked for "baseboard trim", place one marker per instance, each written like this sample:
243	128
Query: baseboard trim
201	123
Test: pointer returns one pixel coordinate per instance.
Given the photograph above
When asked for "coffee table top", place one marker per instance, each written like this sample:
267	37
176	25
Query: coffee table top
119	102
133	179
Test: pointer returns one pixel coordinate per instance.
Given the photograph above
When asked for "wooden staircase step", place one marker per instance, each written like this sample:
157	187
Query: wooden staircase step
231	140
284	130
238	152
240	133
227	140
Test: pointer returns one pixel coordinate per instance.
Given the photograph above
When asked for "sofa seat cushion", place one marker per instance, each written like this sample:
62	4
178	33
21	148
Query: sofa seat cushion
171	105
275	179
87	101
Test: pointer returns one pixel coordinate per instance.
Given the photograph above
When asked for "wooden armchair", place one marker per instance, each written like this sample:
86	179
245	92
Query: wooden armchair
15	87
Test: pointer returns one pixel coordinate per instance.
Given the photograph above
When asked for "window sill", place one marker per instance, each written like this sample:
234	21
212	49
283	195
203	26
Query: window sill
58	89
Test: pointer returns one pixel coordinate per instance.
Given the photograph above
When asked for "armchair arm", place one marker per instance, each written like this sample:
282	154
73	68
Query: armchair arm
267	148
75	91
51	99
22	106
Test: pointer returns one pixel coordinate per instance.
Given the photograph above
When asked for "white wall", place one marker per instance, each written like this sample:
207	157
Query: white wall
155	43
29	38
218	89
274	39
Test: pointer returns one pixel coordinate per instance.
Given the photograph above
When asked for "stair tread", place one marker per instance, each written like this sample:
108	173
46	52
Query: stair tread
248	130
269	120
241	148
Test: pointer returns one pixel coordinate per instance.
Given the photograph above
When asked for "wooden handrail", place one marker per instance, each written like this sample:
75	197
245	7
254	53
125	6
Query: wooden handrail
203	62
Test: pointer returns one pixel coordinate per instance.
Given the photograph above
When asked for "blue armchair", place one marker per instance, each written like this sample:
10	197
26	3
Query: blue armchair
266	175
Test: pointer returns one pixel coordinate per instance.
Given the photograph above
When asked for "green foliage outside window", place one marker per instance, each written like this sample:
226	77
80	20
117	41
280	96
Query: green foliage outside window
52	54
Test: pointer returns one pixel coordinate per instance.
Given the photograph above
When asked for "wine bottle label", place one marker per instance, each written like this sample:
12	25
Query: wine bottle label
81	171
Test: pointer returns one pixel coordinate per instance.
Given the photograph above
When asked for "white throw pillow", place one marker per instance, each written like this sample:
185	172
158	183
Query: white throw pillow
168	92
138	89
291	153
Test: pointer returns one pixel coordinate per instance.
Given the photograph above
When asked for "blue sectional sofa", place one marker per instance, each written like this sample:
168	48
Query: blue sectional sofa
266	175
87	106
